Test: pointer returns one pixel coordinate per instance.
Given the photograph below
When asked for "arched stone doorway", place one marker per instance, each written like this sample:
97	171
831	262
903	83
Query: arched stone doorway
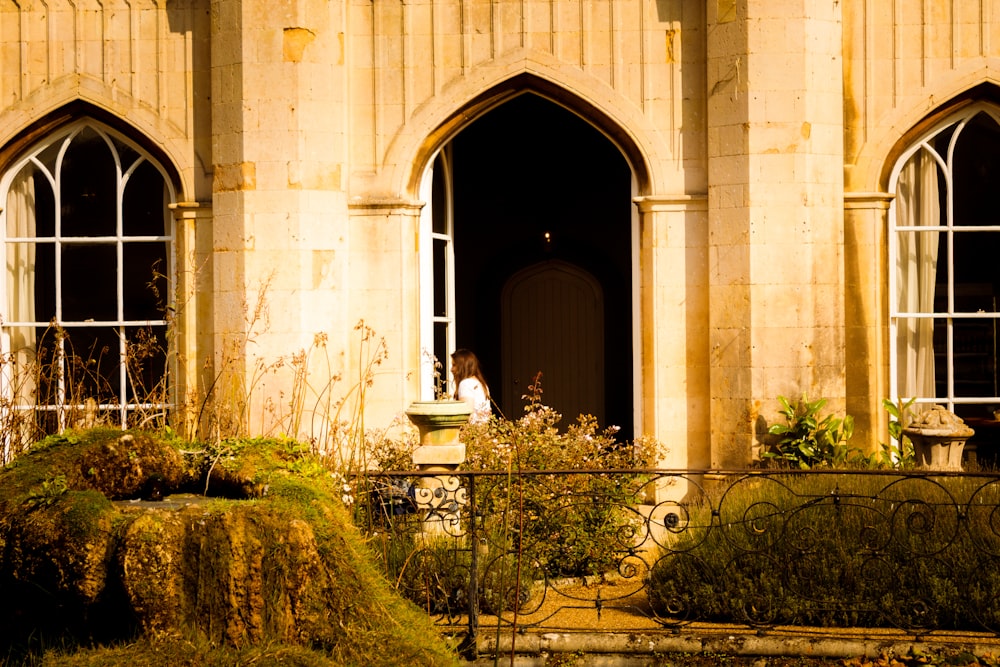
530	184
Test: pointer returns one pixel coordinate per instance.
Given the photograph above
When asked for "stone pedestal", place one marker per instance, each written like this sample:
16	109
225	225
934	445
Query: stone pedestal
938	438
441	496
439	423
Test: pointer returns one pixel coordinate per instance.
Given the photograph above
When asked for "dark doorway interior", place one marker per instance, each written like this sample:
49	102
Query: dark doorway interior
534	183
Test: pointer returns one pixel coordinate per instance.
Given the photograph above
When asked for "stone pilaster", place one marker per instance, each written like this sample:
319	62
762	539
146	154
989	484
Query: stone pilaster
279	151
191	342
674	306
866	298
775	239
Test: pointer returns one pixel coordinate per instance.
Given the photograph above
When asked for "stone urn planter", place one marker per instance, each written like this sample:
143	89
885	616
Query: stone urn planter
938	438
439	423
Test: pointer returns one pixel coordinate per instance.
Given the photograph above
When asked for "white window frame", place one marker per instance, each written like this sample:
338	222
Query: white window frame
950	229
429	320
123	172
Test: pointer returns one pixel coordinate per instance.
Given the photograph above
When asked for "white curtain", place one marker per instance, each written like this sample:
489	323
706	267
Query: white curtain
917	204
21	256
17	377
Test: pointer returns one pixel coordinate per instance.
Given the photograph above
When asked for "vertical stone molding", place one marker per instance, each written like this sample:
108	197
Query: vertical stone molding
673	294
866	304
192	305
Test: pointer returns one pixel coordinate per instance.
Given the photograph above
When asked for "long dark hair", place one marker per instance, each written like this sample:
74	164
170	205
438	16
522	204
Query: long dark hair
467	366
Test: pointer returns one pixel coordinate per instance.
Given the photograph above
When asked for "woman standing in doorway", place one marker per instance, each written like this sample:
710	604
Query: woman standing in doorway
470	385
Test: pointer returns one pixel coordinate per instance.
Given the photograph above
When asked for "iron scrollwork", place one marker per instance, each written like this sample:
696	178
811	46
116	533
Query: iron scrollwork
642	548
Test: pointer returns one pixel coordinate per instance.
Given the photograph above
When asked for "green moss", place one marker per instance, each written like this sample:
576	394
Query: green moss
284	568
84	511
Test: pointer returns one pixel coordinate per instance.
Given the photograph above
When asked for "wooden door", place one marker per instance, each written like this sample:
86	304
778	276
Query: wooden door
552	320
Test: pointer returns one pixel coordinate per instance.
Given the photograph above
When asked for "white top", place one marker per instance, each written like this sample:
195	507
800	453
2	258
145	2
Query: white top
472	392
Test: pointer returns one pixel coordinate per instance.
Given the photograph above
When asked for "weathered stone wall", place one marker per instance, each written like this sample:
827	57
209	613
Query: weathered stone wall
902	61
146	62
300	132
775	227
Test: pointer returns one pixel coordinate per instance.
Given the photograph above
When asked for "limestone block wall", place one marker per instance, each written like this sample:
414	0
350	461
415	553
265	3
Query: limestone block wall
903	59
775	241
419	71
300	131
145	62
413	65
280	235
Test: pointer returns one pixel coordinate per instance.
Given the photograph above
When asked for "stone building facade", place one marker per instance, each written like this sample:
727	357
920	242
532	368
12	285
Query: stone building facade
675	210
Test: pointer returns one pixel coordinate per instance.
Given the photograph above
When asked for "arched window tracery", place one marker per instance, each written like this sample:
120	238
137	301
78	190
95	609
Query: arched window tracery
88	242
944	240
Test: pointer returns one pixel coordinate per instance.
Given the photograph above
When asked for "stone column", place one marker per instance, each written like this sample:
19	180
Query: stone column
279	153
775	225
385	292
191	345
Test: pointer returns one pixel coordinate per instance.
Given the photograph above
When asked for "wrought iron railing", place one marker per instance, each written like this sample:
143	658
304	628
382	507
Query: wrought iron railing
634	550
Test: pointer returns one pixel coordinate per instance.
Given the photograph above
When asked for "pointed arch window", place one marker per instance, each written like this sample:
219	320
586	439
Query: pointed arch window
944	242
88	240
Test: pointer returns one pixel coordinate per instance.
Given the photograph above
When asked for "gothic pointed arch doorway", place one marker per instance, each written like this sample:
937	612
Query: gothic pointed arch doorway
527	199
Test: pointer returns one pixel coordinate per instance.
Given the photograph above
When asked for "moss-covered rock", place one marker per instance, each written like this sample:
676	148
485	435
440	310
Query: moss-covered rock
63	547
274	558
132	465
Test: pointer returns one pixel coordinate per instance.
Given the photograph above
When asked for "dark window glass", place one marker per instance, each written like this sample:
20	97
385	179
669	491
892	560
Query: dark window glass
45	207
146	354
45	282
144	203
440	203
440	279
88	189
90	361
144	283
89	283
976	172
442	353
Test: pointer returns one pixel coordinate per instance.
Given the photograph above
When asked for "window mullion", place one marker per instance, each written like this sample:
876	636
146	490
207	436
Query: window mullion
120	287
949	233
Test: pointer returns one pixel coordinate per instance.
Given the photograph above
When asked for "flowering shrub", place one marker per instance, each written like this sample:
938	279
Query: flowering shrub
560	524
534	442
544	507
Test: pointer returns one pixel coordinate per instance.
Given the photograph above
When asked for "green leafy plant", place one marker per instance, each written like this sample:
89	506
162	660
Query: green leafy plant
808	439
47	492
898	452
